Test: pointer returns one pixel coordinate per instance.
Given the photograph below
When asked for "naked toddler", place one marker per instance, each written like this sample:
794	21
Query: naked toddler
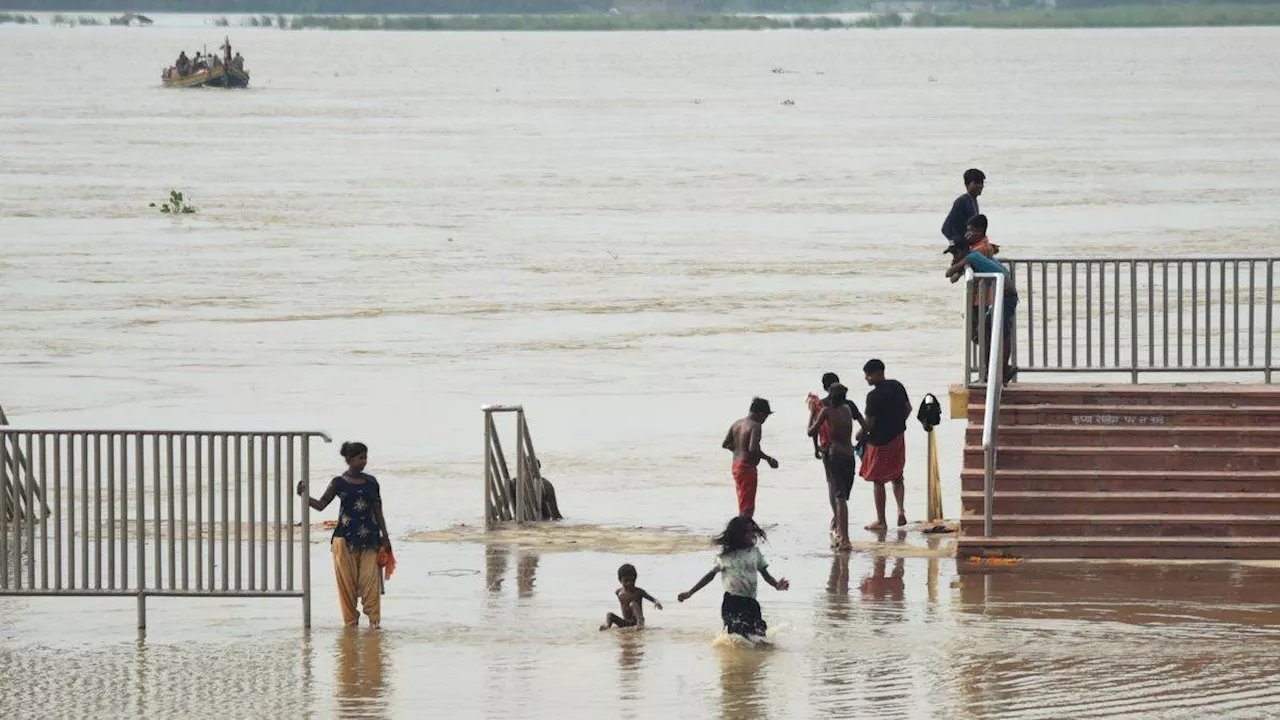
631	599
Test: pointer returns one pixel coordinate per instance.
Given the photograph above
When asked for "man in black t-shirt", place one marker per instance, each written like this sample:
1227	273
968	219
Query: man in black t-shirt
887	410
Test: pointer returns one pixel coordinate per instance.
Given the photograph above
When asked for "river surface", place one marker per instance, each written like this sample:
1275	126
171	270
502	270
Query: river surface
631	234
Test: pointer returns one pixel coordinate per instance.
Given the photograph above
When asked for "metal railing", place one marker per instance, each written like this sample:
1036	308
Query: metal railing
989	289
1134	316
506	499
141	513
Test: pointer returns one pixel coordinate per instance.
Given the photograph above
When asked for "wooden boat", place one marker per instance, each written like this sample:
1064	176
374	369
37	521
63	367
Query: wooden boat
217	76
208	71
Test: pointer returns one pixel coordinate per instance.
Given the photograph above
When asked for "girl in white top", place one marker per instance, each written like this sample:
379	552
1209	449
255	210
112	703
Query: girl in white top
738	564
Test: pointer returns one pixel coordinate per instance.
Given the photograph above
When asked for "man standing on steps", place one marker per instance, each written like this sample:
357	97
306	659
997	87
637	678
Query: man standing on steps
887	410
964	208
743	439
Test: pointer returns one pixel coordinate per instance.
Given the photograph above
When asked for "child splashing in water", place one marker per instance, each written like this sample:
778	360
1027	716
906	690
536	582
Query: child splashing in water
739	561
631	598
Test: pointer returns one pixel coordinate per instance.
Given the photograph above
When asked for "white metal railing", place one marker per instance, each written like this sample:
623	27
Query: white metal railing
505	498
989	289
186	513
1134	316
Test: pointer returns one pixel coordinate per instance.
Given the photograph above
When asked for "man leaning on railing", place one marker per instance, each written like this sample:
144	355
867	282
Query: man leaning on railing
970	258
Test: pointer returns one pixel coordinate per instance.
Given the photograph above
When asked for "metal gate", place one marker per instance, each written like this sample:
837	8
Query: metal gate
143	513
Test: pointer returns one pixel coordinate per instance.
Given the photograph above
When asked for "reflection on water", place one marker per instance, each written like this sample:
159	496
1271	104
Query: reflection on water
881	587
263	678
526	573
743	695
495	566
630	664
497	561
360	687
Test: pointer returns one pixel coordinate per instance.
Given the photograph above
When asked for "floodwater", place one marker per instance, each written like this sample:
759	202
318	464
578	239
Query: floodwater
631	234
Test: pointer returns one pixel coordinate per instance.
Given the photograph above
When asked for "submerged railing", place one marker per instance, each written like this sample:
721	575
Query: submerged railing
507	498
141	513
1135	316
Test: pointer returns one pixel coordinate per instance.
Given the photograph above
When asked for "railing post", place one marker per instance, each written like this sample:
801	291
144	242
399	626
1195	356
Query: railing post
522	473
1270	316
988	490
306	531
5	505
488	473
140	535
969	298
1133	318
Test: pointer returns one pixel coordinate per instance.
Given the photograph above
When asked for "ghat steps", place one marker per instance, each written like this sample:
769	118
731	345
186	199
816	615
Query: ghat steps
1128	471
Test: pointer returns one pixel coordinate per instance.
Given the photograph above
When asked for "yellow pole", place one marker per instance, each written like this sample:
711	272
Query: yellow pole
935	480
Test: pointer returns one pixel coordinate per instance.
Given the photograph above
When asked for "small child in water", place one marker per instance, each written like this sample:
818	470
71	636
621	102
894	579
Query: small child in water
739	561
631	598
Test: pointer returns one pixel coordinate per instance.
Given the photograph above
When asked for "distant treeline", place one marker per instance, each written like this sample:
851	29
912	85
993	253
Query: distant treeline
456	7
594	22
1120	16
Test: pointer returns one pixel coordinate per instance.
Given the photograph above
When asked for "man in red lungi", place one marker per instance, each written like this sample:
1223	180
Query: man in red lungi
743	439
886	411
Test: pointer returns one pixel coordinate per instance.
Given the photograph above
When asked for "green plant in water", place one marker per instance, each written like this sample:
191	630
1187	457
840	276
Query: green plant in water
175	205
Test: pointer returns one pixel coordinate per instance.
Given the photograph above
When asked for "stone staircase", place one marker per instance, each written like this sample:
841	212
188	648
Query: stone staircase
1128	471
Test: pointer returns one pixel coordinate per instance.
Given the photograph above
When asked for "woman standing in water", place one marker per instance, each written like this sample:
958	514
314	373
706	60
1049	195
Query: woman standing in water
360	532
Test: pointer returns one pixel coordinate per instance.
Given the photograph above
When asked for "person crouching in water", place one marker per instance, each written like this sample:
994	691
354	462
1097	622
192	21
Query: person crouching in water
631	598
738	562
360	532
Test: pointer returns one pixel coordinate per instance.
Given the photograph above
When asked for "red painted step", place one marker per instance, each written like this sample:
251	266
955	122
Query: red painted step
1105	504
1222	394
1201	526
1132	436
1124	458
1125	481
1075	415
1199	548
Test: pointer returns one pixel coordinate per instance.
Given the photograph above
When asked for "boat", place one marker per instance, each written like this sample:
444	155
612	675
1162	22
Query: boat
207	70
131	19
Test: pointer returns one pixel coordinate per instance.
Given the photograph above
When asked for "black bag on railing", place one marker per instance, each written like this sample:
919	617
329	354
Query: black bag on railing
930	412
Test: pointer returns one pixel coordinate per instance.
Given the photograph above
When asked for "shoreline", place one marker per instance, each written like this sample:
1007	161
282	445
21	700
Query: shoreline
1115	17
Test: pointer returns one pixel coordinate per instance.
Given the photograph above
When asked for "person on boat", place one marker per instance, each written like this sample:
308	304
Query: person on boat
183	62
360	533
238	62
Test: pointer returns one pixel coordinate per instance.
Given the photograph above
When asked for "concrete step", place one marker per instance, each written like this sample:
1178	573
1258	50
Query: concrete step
1127	525
1125	481
1102	504
1198	395
1116	416
1199	548
1096	436
1129	458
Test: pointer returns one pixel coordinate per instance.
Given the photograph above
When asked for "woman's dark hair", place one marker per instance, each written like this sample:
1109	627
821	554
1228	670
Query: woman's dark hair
735	538
353	449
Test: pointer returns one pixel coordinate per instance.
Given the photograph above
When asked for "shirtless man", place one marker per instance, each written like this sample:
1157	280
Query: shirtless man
743	439
841	458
